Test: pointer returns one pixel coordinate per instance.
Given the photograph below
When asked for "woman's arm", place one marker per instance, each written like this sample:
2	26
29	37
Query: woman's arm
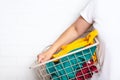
73	32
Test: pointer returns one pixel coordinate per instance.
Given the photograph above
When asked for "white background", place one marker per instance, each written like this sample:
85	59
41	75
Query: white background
26	27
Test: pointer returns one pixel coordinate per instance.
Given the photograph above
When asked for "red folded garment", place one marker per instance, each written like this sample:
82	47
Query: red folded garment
86	71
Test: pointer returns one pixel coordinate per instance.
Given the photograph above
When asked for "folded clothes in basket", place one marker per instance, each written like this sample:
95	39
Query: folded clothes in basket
68	66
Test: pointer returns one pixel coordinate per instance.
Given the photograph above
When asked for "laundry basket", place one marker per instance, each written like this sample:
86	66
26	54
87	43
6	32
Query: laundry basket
77	65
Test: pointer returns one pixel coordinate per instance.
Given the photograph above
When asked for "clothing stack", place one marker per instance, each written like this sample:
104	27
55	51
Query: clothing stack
77	66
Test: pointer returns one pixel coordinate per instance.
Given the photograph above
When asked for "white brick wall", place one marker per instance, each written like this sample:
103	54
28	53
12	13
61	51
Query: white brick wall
26	27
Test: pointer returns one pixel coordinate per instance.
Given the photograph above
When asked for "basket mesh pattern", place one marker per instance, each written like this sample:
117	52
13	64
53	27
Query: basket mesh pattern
75	66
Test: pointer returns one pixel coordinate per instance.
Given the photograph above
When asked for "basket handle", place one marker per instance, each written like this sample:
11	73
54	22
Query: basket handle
46	48
100	52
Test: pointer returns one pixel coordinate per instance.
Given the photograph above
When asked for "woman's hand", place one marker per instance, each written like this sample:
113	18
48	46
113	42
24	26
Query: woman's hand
45	56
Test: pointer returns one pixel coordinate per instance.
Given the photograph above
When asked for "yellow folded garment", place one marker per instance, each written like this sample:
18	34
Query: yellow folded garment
94	57
81	42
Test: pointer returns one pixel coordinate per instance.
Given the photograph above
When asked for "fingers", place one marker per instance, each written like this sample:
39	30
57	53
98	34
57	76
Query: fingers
39	58
44	59
47	57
